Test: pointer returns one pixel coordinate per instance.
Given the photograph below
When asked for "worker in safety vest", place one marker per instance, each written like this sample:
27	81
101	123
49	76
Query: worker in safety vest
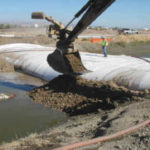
104	46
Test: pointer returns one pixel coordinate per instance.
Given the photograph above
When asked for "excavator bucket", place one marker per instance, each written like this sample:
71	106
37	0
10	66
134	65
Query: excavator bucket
69	63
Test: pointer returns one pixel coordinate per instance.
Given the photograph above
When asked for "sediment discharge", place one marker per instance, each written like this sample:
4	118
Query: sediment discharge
75	95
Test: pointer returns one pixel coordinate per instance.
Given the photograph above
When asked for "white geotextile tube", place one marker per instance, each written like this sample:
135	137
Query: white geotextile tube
125	70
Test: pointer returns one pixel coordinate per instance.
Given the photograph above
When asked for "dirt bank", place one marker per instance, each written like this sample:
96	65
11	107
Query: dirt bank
107	108
75	95
89	126
5	66
40	39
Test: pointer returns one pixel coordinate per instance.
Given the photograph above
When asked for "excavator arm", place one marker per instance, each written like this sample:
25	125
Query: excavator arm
95	9
41	15
65	59
55	26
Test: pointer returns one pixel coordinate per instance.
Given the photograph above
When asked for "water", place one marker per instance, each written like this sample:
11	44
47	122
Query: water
20	116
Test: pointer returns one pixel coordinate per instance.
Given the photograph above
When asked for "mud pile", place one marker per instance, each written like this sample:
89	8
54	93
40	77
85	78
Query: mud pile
75	95
74	61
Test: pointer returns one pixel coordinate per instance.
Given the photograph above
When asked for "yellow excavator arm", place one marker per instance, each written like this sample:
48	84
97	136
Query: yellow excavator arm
41	15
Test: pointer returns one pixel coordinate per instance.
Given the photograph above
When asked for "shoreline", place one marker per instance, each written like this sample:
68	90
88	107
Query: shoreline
79	128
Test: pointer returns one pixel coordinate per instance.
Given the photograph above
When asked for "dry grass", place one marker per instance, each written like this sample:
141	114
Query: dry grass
118	39
131	38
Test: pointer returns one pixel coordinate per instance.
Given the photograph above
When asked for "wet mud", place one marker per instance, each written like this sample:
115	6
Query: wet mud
74	62
75	95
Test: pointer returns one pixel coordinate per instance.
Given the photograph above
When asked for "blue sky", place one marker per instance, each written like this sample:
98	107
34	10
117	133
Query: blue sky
123	13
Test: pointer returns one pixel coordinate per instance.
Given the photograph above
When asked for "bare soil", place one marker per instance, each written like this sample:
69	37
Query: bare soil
40	39
5	66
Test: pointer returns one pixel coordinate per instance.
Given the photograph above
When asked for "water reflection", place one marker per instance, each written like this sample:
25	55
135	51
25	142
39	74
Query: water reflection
24	87
20	116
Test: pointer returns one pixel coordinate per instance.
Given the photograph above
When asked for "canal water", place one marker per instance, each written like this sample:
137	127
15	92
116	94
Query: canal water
20	116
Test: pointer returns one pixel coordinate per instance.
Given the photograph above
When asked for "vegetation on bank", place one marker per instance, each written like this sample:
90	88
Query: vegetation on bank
133	45
4	26
8	26
131	38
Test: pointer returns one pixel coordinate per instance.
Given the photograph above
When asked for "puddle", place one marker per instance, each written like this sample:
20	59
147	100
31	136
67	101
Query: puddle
20	116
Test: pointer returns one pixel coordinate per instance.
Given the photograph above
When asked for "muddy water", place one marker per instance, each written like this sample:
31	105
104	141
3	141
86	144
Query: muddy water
20	116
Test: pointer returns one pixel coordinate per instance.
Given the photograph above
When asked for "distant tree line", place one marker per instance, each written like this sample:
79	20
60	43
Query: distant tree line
7	26
4	26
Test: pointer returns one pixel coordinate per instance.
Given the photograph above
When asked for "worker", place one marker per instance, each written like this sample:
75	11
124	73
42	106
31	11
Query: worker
104	46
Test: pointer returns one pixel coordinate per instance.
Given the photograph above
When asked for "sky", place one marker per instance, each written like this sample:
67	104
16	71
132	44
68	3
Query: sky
122	13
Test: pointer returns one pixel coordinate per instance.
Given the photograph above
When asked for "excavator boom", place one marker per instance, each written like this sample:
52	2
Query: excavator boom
41	15
65	59
97	7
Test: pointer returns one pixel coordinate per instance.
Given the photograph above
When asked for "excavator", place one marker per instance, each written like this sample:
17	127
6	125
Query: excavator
65	59
55	26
